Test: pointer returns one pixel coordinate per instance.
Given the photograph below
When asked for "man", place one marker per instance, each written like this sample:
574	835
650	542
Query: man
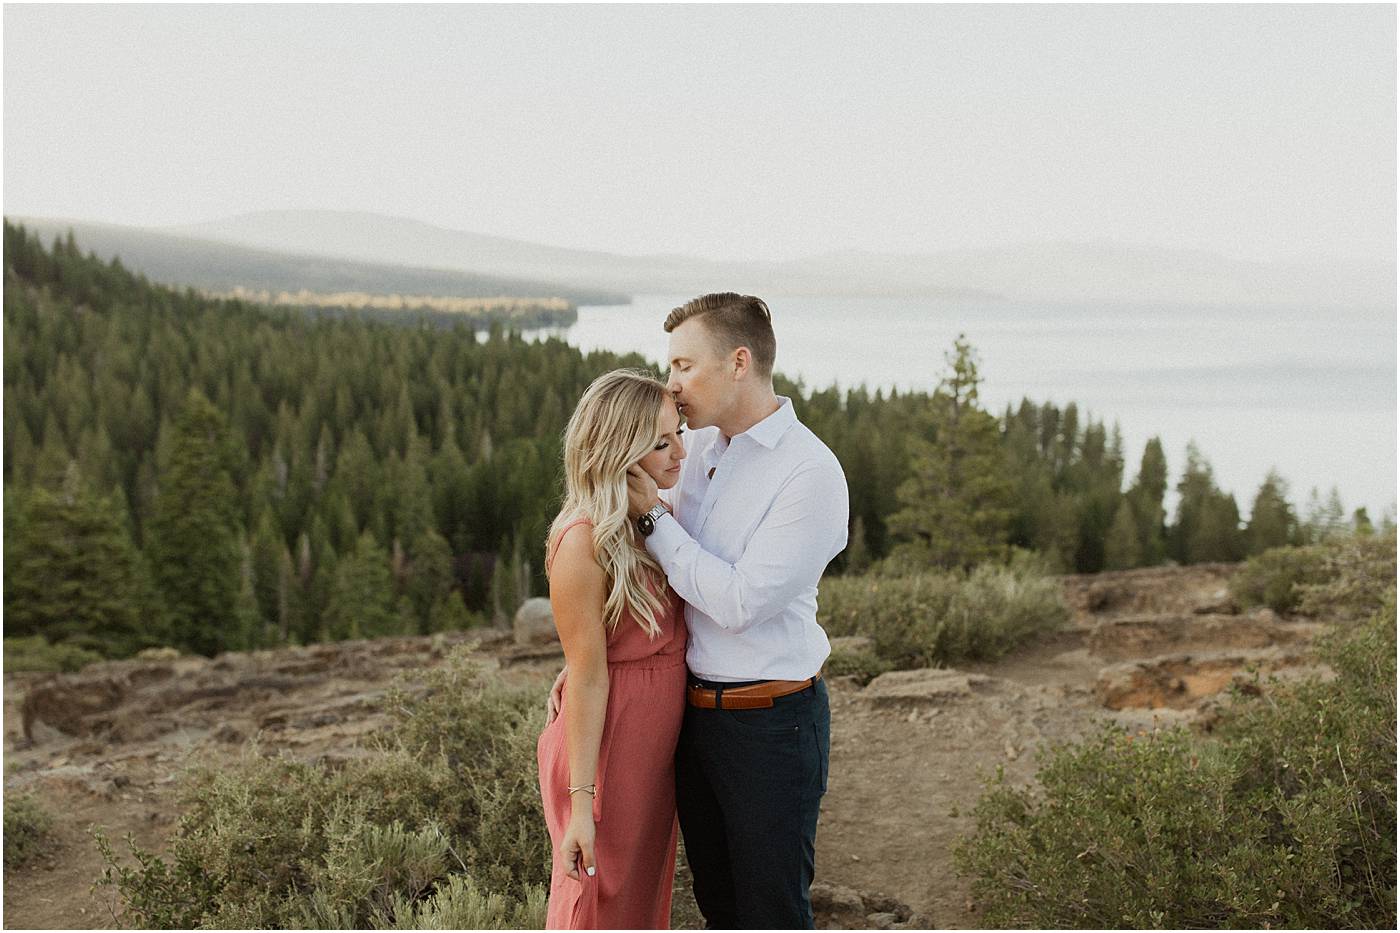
759	512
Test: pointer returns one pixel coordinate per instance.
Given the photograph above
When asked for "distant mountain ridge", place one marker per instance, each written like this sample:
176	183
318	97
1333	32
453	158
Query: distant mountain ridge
221	266
1053	272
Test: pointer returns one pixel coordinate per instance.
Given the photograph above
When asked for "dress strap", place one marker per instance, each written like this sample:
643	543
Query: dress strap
559	539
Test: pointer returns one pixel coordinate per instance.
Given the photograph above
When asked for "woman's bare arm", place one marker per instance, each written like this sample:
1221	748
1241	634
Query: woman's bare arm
577	593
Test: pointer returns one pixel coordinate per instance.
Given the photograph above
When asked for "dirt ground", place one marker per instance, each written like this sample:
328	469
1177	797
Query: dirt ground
909	751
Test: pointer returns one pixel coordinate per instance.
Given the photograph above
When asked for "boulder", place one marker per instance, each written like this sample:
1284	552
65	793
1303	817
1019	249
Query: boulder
534	623
922	686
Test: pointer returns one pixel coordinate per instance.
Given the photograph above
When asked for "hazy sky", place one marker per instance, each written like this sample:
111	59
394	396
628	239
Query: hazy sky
731	132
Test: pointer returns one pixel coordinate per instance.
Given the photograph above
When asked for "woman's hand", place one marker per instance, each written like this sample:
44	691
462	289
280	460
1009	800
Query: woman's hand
577	845
556	697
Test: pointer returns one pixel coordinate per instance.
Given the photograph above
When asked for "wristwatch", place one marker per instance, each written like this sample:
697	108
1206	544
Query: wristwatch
646	522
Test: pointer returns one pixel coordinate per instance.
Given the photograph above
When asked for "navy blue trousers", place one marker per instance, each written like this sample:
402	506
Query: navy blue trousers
748	787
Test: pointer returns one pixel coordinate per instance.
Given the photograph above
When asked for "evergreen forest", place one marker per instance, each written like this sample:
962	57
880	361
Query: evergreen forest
214	474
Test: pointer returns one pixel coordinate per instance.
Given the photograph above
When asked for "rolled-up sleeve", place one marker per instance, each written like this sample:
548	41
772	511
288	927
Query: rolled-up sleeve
803	529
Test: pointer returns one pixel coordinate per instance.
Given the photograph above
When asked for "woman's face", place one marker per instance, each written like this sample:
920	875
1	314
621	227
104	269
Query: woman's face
663	464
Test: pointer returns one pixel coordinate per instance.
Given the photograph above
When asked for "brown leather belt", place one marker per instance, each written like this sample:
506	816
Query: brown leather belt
754	696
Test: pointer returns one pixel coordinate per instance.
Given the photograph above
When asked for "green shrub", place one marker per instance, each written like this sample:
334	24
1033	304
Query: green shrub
1286	819
461	904
483	737
1341	578
1273	577
930	618
27	829
1357	572
367	869
858	661
451	786
34	653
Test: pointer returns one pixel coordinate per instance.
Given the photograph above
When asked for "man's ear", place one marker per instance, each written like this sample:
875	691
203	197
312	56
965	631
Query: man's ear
742	362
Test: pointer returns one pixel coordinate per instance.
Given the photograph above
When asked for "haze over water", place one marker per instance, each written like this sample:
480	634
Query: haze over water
1312	393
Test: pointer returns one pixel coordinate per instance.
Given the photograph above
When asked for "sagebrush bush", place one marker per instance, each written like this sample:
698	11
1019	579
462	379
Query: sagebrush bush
1285	818
27	829
1341	578
449	790
462	904
1357	572
860	661
34	653
934	618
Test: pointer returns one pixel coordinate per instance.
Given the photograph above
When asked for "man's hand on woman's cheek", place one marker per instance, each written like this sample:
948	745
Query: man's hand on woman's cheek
641	491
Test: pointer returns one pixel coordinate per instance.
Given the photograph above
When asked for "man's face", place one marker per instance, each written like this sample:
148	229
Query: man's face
700	380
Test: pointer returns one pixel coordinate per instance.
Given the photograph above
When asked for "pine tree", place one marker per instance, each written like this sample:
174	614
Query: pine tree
956	505
1387	520
268	549
1271	519
1123	549
250	633
430	575
1207	520
72	574
361	601
857	552
1361	523
449	614
1146	497
193	535
1217	535
505	597
1334	515
290	599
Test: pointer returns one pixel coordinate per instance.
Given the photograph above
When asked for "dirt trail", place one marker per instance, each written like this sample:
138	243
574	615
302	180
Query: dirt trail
907	754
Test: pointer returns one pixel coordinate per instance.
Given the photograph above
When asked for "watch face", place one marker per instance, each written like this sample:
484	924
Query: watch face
645	525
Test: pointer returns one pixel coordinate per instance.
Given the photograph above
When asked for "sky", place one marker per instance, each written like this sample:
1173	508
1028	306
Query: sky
729	132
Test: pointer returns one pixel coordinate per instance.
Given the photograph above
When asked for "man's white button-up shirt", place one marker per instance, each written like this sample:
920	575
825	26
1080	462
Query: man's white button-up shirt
746	548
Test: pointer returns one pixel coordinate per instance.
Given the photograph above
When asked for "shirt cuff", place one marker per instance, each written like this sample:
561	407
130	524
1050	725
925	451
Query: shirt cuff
666	539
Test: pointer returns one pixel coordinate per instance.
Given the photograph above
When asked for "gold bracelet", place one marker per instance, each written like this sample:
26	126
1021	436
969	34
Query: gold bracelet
591	788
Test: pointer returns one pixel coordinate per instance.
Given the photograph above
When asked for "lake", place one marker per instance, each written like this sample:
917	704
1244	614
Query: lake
1312	392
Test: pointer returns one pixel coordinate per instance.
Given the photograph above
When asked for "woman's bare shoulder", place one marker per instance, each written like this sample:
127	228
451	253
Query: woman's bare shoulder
574	558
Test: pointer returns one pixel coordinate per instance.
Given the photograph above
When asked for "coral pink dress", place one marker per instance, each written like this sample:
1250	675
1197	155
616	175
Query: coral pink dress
635	806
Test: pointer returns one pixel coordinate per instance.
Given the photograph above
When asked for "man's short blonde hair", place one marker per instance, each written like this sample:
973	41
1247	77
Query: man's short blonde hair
733	321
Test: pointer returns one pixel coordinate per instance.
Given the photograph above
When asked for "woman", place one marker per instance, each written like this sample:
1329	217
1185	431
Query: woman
606	762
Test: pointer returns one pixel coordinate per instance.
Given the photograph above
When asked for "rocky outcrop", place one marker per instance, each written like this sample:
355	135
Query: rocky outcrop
1181	681
1139	636
145	697
835	907
920	687
1149	591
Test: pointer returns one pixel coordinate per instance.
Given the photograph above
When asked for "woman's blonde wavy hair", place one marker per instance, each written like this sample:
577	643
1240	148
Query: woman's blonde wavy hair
613	427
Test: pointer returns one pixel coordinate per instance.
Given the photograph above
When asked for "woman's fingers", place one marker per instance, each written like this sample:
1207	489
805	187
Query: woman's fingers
589	865
571	857
556	697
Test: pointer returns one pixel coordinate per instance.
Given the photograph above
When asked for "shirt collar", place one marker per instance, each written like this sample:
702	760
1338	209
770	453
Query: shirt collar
771	429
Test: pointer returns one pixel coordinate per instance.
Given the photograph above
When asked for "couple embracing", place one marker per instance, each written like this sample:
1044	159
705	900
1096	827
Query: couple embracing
692	687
